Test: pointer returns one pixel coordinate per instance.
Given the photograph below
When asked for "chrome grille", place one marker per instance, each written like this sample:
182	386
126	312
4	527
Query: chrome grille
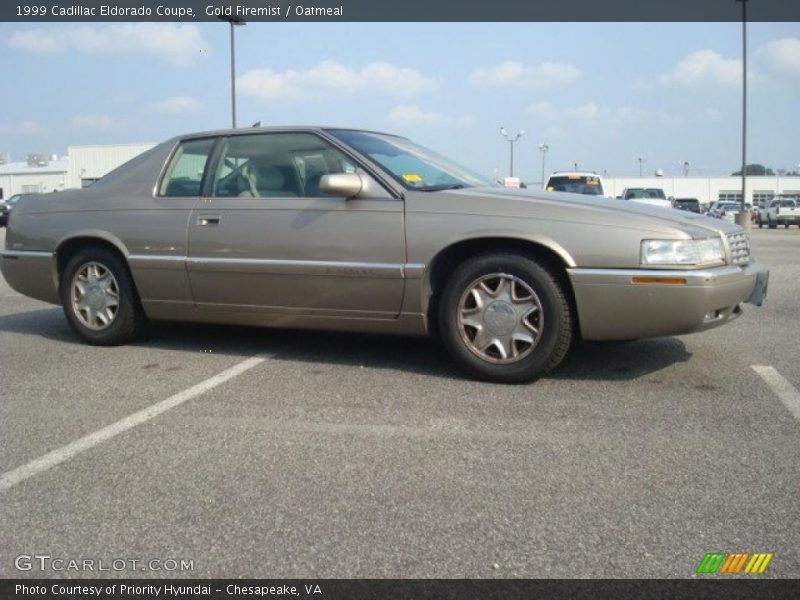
740	248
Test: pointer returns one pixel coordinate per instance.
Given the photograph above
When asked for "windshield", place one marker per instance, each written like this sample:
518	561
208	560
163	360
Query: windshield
411	165
729	206
575	184
645	193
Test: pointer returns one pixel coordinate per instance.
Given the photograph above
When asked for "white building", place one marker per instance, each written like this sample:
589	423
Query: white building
82	166
709	189
41	174
87	164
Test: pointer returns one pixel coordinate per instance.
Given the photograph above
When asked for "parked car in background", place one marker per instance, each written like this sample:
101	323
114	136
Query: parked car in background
326	228
782	211
726	210
575	182
650	196
762	212
690	204
7	207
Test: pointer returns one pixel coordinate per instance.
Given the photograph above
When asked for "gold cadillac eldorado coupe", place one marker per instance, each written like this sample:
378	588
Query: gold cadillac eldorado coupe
361	231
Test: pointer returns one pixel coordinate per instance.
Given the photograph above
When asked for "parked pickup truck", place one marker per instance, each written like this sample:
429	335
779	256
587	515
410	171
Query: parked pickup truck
651	196
782	210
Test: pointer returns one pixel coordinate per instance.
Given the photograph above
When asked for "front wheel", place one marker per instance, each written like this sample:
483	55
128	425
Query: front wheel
99	298
505	318
771	224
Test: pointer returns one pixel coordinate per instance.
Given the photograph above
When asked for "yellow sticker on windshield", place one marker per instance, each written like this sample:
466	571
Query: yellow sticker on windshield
550	188
412	178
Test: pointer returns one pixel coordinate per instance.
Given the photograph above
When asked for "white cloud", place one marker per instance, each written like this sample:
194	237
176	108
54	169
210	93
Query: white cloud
178	44
411	114
631	114
704	66
96	122
517	74
330	76
23	128
782	54
546	112
178	104
585	111
542	110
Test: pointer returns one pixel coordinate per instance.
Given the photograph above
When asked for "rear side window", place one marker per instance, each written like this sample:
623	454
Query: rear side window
184	175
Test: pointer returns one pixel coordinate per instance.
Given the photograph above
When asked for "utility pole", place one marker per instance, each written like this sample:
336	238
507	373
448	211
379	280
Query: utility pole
742	218
543	148
234	21
511	140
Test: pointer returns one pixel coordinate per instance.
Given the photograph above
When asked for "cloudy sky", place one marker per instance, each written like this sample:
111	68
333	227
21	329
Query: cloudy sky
601	94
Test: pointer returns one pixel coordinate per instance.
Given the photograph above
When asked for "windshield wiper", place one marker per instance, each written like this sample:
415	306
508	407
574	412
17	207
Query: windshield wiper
439	188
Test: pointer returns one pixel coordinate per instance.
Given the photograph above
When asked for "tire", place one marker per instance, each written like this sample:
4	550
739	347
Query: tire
503	298
89	269
771	224
760	224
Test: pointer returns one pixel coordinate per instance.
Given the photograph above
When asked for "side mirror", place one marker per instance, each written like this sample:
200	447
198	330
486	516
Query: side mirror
345	185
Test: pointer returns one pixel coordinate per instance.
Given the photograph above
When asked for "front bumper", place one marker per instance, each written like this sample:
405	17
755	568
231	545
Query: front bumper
612	307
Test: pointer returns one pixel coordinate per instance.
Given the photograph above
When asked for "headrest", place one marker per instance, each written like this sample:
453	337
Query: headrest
267	177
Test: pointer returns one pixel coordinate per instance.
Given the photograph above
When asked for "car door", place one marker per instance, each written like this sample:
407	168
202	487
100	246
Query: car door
266	239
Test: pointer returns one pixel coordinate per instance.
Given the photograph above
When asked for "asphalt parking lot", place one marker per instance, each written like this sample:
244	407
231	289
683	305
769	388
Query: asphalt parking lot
366	456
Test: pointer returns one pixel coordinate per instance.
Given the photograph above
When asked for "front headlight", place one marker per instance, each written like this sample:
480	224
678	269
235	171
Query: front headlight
707	251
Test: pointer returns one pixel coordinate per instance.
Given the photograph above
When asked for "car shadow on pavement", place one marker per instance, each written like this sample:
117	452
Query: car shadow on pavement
621	361
602	361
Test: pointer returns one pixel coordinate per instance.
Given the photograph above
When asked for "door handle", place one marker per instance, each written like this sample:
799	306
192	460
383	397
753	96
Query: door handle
208	220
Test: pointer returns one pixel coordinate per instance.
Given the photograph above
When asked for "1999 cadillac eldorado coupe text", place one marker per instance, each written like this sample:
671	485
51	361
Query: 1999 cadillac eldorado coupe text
355	230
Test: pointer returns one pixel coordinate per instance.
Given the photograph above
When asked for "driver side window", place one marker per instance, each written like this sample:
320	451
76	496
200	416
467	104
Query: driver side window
276	165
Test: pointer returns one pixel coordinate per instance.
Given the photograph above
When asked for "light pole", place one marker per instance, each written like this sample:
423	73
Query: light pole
641	161
543	148
686	168
511	141
234	21
779	173
742	218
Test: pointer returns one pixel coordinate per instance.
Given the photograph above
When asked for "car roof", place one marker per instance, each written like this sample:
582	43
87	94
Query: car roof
580	173
275	129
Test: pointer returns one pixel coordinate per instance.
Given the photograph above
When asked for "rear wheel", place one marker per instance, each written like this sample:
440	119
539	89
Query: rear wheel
99	298
505	318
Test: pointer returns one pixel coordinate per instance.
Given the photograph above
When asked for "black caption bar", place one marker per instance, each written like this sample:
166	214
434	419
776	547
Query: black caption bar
405	10
393	589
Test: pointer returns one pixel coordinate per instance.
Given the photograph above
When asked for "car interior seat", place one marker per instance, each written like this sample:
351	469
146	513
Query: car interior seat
265	181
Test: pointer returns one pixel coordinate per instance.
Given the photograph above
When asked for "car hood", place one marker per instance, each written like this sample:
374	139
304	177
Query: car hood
580	207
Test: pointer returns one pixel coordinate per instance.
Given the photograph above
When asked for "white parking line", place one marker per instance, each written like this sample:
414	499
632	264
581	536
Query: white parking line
782	387
60	455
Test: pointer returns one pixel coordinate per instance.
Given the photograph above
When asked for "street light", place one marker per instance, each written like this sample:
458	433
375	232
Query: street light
233	20
686	168
742	218
511	141
641	161
543	148
779	173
